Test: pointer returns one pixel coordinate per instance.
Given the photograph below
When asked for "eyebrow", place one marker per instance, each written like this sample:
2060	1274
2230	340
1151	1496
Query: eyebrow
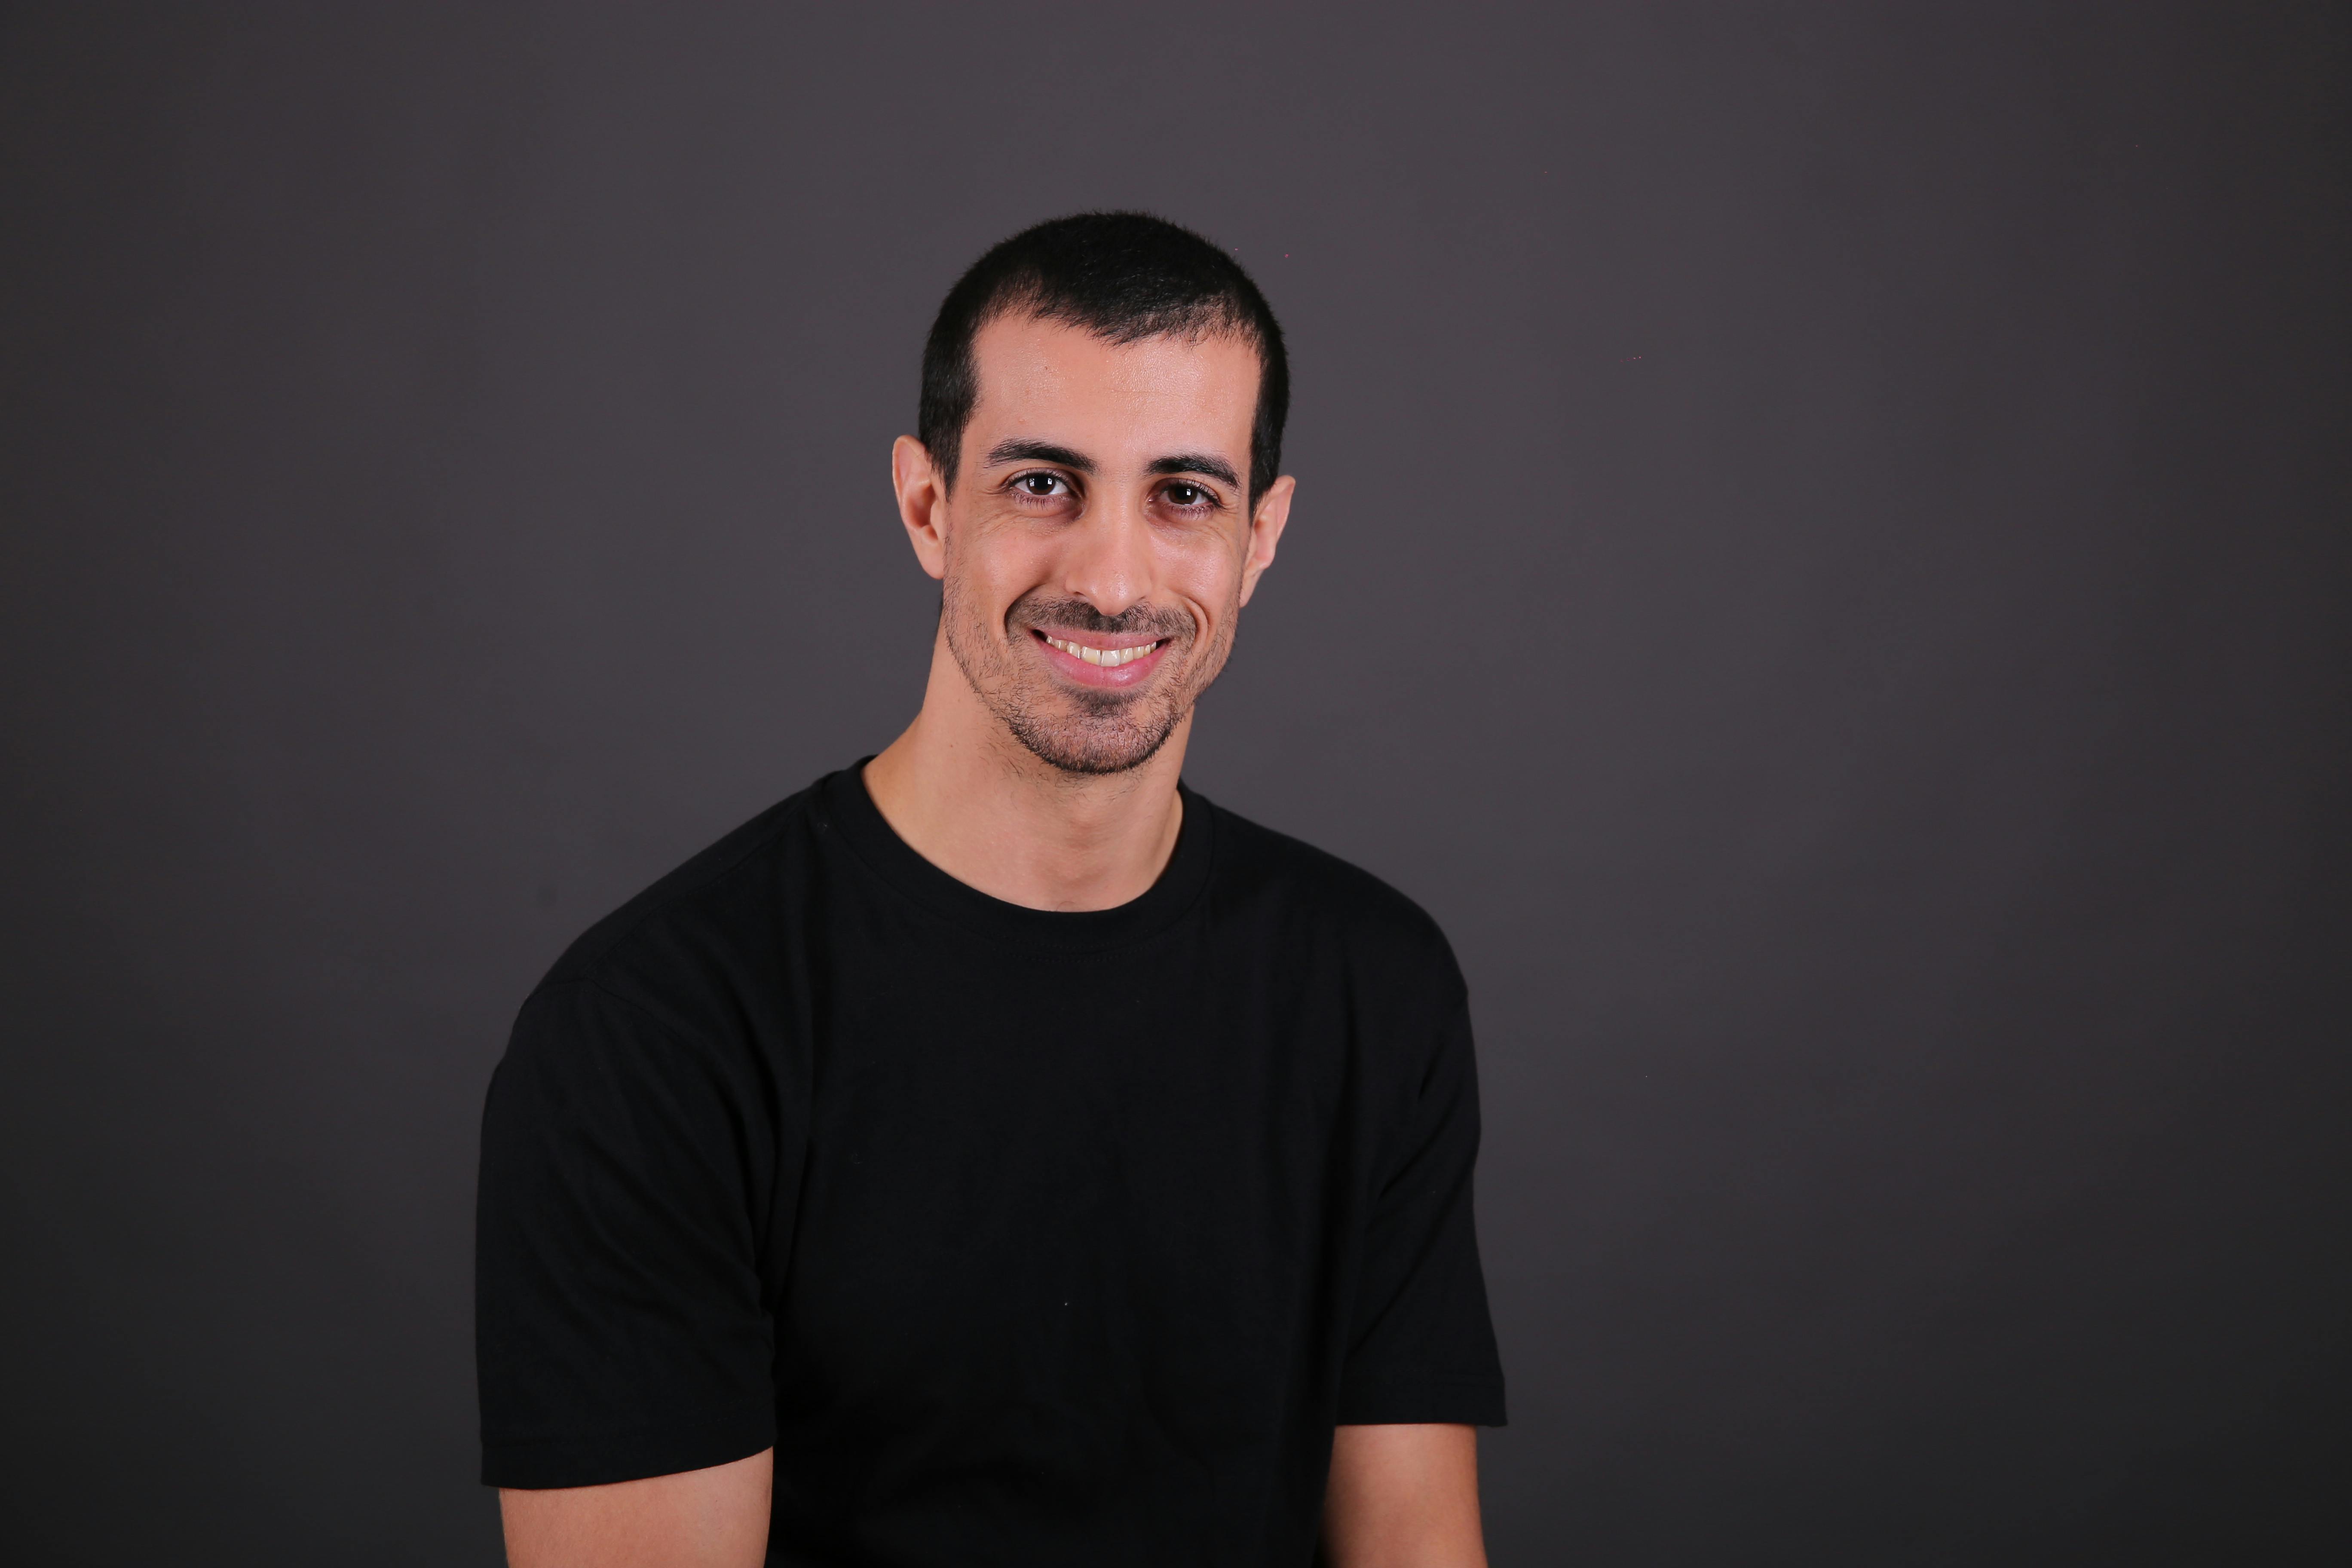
1195	463
1024	451
1039	452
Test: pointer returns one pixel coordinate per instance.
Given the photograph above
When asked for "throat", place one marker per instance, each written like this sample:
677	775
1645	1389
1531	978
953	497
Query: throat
971	800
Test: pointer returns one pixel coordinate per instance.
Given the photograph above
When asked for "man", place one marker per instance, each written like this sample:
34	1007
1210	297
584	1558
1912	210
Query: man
997	1153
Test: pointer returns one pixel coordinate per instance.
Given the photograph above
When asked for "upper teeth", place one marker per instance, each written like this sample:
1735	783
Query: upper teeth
1108	658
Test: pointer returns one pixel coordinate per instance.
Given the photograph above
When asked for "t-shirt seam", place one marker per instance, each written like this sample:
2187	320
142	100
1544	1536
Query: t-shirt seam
760	1404
673	1033
764	842
1463	1379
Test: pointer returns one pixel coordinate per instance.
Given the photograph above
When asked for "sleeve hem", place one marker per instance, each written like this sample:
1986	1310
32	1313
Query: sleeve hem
632	1453
1412	1401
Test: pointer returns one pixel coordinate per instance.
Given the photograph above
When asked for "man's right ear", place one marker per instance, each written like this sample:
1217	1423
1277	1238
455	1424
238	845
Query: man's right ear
922	502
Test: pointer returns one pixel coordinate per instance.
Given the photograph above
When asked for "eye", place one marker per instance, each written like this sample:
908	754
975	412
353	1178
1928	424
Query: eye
1186	496
1041	486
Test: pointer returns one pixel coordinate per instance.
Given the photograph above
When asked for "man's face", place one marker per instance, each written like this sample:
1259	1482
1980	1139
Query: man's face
1098	545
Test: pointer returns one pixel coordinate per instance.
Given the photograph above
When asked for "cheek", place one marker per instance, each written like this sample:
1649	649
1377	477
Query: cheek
985	568
1205	570
1003	553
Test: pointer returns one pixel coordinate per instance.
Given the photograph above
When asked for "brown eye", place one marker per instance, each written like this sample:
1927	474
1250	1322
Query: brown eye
1180	494
1041	486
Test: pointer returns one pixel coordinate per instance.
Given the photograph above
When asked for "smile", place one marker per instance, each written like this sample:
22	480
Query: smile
1108	658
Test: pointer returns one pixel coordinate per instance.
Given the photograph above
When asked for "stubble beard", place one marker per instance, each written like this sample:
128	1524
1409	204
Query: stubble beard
1070	729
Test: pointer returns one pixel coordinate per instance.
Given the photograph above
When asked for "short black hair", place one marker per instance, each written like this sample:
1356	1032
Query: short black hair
1124	275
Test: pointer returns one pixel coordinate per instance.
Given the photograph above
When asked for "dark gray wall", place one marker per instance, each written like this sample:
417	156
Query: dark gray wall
1822	556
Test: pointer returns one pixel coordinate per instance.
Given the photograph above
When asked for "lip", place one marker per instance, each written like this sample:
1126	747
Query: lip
1071	668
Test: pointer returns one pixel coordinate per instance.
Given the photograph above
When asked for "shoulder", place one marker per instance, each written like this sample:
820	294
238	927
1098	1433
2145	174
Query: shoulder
1263	871
701	932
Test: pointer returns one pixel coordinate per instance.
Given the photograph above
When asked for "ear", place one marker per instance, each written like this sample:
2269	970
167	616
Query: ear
1265	531
922	502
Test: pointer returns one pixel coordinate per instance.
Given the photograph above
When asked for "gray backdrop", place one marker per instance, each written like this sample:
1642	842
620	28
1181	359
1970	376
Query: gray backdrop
1821	557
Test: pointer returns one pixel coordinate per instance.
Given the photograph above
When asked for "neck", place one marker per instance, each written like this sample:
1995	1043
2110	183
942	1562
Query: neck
970	799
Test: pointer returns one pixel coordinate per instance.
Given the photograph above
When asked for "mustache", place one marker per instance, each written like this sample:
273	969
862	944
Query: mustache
1039	609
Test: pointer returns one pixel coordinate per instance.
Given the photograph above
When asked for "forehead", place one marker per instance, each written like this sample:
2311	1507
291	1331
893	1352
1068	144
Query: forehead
1057	382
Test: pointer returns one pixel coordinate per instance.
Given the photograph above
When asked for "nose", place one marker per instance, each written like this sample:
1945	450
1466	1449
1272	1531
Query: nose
1109	562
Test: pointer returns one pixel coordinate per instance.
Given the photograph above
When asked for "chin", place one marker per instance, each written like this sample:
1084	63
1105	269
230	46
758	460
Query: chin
1093	749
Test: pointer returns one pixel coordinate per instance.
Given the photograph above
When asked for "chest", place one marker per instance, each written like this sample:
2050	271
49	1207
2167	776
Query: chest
1028	1170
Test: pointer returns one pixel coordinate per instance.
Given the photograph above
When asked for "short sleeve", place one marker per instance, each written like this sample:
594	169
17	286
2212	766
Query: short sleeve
1422	1344
619	1321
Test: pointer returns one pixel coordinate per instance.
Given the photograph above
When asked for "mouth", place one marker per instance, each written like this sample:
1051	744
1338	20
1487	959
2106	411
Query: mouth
1113	662
1107	657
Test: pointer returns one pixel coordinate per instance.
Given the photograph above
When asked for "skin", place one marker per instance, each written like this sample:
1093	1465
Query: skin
716	1518
1403	1496
1100	499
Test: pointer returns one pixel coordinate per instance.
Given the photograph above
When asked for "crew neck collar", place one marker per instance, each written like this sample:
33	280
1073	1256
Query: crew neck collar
845	805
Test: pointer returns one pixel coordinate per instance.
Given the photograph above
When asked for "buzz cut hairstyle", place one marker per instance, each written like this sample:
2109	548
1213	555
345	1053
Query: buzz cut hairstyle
1123	276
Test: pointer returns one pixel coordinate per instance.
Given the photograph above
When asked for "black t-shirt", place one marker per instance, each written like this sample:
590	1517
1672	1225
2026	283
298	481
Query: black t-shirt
1023	1237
